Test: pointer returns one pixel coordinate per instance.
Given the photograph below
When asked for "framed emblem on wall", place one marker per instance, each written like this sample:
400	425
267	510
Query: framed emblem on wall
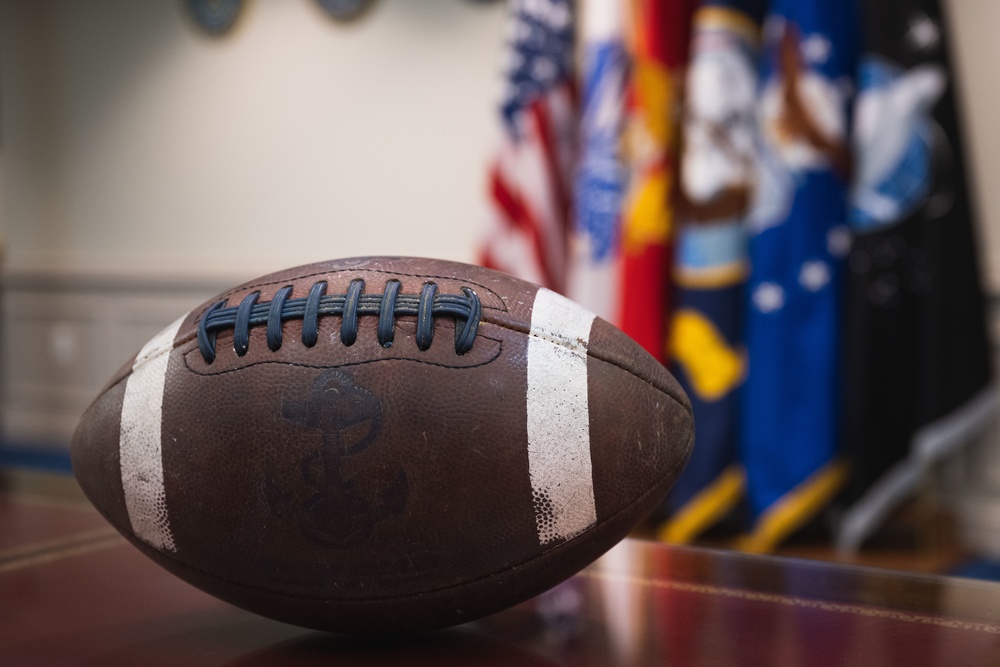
214	17
345	10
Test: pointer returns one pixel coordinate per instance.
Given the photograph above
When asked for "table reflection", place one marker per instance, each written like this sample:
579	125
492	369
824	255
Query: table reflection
645	604
72	592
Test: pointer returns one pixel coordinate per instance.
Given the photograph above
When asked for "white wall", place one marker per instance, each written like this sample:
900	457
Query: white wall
973	489
130	141
974	26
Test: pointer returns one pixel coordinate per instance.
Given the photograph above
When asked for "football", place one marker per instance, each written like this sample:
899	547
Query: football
382	443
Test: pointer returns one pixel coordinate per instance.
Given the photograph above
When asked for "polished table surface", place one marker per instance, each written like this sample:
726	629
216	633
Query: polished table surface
72	592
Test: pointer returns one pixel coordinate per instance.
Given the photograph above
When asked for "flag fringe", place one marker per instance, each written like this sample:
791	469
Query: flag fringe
707	507
796	507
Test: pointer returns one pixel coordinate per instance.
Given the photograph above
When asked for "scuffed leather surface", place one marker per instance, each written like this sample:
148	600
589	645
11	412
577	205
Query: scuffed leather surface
360	488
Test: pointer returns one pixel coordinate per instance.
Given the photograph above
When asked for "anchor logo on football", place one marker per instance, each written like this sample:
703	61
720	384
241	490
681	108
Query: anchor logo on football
336	513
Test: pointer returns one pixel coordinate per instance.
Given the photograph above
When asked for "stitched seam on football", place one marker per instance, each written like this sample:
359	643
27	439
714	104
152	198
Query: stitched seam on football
316	274
514	326
346	364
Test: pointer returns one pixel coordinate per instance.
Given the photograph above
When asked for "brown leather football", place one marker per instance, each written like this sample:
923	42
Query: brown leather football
382	443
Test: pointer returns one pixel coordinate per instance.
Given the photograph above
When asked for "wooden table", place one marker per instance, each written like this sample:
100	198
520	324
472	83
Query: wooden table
72	592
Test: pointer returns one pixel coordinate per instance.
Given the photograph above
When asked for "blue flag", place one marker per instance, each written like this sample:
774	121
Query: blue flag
798	239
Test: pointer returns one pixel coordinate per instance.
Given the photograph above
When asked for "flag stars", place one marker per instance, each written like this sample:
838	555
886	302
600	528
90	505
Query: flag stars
924	34
538	55
553	14
838	241
544	70
816	49
517	31
768	297
814	275
513	61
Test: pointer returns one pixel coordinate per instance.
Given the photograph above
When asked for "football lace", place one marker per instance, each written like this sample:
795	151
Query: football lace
464	308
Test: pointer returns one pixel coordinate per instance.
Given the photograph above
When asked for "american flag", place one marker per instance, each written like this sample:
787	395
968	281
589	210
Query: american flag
529	180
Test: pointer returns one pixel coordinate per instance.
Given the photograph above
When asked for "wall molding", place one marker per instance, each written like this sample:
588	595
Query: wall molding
65	330
58	276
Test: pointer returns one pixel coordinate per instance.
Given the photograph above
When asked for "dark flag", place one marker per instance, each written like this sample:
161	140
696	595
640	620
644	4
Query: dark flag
918	378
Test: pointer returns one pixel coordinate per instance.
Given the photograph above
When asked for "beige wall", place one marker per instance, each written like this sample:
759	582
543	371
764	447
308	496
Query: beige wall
129	141
975	44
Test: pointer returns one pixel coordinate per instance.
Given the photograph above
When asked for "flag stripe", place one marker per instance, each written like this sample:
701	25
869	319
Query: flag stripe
550	155
529	178
559	461
517	215
140	448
